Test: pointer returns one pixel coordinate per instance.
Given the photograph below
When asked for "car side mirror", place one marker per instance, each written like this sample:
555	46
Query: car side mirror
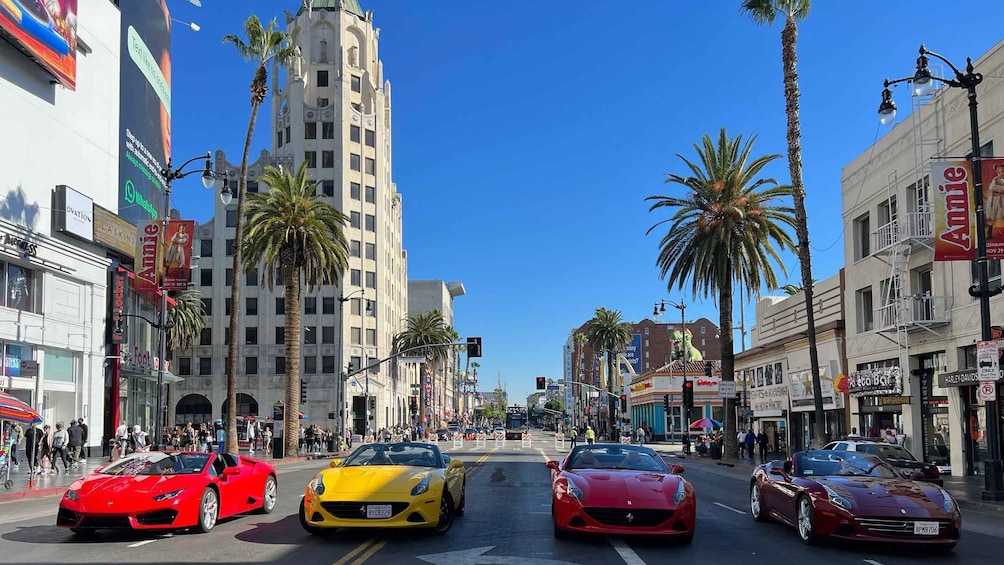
335	463
231	471
552	465
917	476
676	469
456	464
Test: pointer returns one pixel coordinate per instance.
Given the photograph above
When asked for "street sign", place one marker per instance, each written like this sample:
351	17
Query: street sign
987	355
552	387
988	391
29	368
727	389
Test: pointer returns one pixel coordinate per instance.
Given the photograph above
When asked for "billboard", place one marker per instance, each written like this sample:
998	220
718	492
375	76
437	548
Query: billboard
633	353
145	108
47	32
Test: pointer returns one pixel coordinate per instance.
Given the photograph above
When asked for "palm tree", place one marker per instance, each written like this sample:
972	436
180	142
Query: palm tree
793	289
300	238
580	340
474	366
794	11
723	231
263	46
454	365
185	321
424	334
608	332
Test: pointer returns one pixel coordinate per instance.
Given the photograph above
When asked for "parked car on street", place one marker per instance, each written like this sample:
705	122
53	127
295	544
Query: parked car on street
896	455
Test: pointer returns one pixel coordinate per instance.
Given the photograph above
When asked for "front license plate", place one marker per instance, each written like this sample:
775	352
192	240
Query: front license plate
925	528
383	511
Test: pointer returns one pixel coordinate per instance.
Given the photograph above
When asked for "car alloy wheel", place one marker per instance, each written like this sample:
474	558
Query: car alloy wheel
446	513
756	504
209	510
805	521
269	495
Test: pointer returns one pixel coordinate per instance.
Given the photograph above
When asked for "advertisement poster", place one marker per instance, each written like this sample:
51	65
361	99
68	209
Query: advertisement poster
177	254
993	206
47	31
954	212
633	353
145	108
148	256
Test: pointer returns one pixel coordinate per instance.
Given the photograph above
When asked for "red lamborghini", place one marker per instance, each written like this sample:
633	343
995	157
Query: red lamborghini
853	495
167	490
623	490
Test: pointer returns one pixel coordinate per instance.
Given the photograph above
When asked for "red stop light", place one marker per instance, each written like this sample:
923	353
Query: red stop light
541	384
688	394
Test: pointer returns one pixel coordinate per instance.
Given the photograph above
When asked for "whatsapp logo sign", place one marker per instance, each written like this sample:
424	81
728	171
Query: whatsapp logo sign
134	197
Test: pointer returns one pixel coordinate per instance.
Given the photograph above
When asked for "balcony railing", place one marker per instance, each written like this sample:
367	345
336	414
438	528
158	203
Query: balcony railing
914	312
915	227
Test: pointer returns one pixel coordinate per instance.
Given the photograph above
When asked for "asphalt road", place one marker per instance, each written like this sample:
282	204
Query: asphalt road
507	521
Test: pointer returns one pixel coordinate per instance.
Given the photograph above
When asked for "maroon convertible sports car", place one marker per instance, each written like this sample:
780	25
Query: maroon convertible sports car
851	495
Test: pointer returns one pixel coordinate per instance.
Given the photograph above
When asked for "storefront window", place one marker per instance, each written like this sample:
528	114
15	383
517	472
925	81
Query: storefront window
19	290
60	366
13	355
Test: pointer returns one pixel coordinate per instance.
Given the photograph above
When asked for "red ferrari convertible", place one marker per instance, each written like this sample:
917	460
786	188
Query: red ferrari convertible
621	489
852	495
167	490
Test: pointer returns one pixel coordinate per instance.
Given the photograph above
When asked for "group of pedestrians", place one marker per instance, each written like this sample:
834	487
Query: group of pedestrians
747	440
46	449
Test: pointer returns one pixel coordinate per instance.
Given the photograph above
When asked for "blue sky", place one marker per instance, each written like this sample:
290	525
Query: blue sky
525	141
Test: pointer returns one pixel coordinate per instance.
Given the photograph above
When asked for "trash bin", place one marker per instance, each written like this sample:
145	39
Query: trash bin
277	448
716	450
331	445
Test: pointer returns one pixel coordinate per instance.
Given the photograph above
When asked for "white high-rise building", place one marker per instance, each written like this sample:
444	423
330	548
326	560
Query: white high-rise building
333	111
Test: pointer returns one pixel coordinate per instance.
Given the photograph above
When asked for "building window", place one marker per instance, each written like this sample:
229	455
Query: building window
250	365
865	310
327	305
370	336
278	139
355	334
229	276
206	247
226	307
252	187
327	159
19	288
250	336
370	279
322	78
354	133
206	277
328	334
370	166
310	335
311	158
371	194
328	130
370	222
356	306
328	364
251	278
328	187
280	306
371	138
371	251
357	84
862	237
207	306
354	161
310	130
280	365
310	305
354	191
354	219
205	365
206	336
354	247
230	247
355	277
310	364
184	366
251	306
287	134
280	335
993	273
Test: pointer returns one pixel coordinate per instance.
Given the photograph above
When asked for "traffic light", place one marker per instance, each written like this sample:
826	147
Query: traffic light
474	347
303	392
541	383
623	402
413	405
707	369
372	403
688	394
665	402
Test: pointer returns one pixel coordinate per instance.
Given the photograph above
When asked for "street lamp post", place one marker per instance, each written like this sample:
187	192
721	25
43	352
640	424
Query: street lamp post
171	174
922	81
340	394
660	308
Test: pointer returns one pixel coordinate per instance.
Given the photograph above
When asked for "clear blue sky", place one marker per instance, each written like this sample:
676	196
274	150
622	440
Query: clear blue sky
526	136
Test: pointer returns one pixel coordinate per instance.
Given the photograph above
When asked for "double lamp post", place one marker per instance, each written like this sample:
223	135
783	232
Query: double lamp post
660	308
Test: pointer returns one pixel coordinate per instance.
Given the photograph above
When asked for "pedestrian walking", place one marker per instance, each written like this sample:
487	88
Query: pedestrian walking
16	437
45	450
221	436
750	440
138	439
75	439
763	443
590	435
573	435
31	438
741	442
85	448
59	441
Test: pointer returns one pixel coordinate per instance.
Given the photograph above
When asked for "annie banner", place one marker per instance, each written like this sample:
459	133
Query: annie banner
954	211
163	257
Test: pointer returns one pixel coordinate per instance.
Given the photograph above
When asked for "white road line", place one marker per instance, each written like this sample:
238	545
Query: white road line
734	510
544	455
626	553
872	562
141	543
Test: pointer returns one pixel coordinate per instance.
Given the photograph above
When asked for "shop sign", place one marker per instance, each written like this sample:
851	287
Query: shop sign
893	400
882	381
25	247
113	232
74	213
118	305
966	377
146	360
772	398
801	395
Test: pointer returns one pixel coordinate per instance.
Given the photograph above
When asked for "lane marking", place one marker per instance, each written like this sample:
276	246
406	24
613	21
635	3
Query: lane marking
626	553
141	543
476	465
544	455
733	510
872	562
369	552
350	555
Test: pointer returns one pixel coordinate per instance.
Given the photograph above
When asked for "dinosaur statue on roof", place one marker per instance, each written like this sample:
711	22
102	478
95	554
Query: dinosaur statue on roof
676	338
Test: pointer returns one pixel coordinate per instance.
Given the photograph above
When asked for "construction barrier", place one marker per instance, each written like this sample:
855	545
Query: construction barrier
559	441
499	439
397	438
526	440
626	440
479	440
458	439
368	439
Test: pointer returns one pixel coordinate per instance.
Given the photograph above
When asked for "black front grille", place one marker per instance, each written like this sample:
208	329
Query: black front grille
357	510
107	523
641	518
898	526
67	517
158	518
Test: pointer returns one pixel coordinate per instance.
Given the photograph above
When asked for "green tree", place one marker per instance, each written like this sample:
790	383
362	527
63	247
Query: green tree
300	238
608	332
260	46
185	321
726	228
423	334
764	12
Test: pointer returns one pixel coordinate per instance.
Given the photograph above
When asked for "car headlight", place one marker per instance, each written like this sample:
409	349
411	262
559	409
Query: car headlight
168	495
680	494
317	485
949	501
422	487
72	495
837	499
573	490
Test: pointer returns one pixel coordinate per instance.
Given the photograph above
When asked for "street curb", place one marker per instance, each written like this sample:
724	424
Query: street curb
987	507
33	493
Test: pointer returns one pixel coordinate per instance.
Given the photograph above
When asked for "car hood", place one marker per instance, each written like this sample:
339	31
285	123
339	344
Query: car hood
391	479
892	497
118	486
612	488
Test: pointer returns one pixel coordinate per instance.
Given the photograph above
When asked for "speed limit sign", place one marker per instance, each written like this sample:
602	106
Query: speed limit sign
988	391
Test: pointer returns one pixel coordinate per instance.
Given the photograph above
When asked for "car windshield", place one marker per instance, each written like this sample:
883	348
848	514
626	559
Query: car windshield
412	454
623	457
822	463
158	463
887	451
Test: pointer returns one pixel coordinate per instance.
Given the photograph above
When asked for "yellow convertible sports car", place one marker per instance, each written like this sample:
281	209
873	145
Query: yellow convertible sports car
386	485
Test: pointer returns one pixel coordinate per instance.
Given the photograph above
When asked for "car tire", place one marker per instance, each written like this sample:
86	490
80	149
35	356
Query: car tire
805	521
757	509
447	511
209	510
686	539
269	494
462	507
312	530
558	532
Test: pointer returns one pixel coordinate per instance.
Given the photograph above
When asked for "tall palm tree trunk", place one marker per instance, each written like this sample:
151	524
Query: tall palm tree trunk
728	363
291	426
612	400
789	58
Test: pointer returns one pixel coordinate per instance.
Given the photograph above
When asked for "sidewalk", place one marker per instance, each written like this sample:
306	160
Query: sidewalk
26	486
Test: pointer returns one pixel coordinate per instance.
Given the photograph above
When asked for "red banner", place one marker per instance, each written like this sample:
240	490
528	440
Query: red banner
163	259
993	205
148	256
